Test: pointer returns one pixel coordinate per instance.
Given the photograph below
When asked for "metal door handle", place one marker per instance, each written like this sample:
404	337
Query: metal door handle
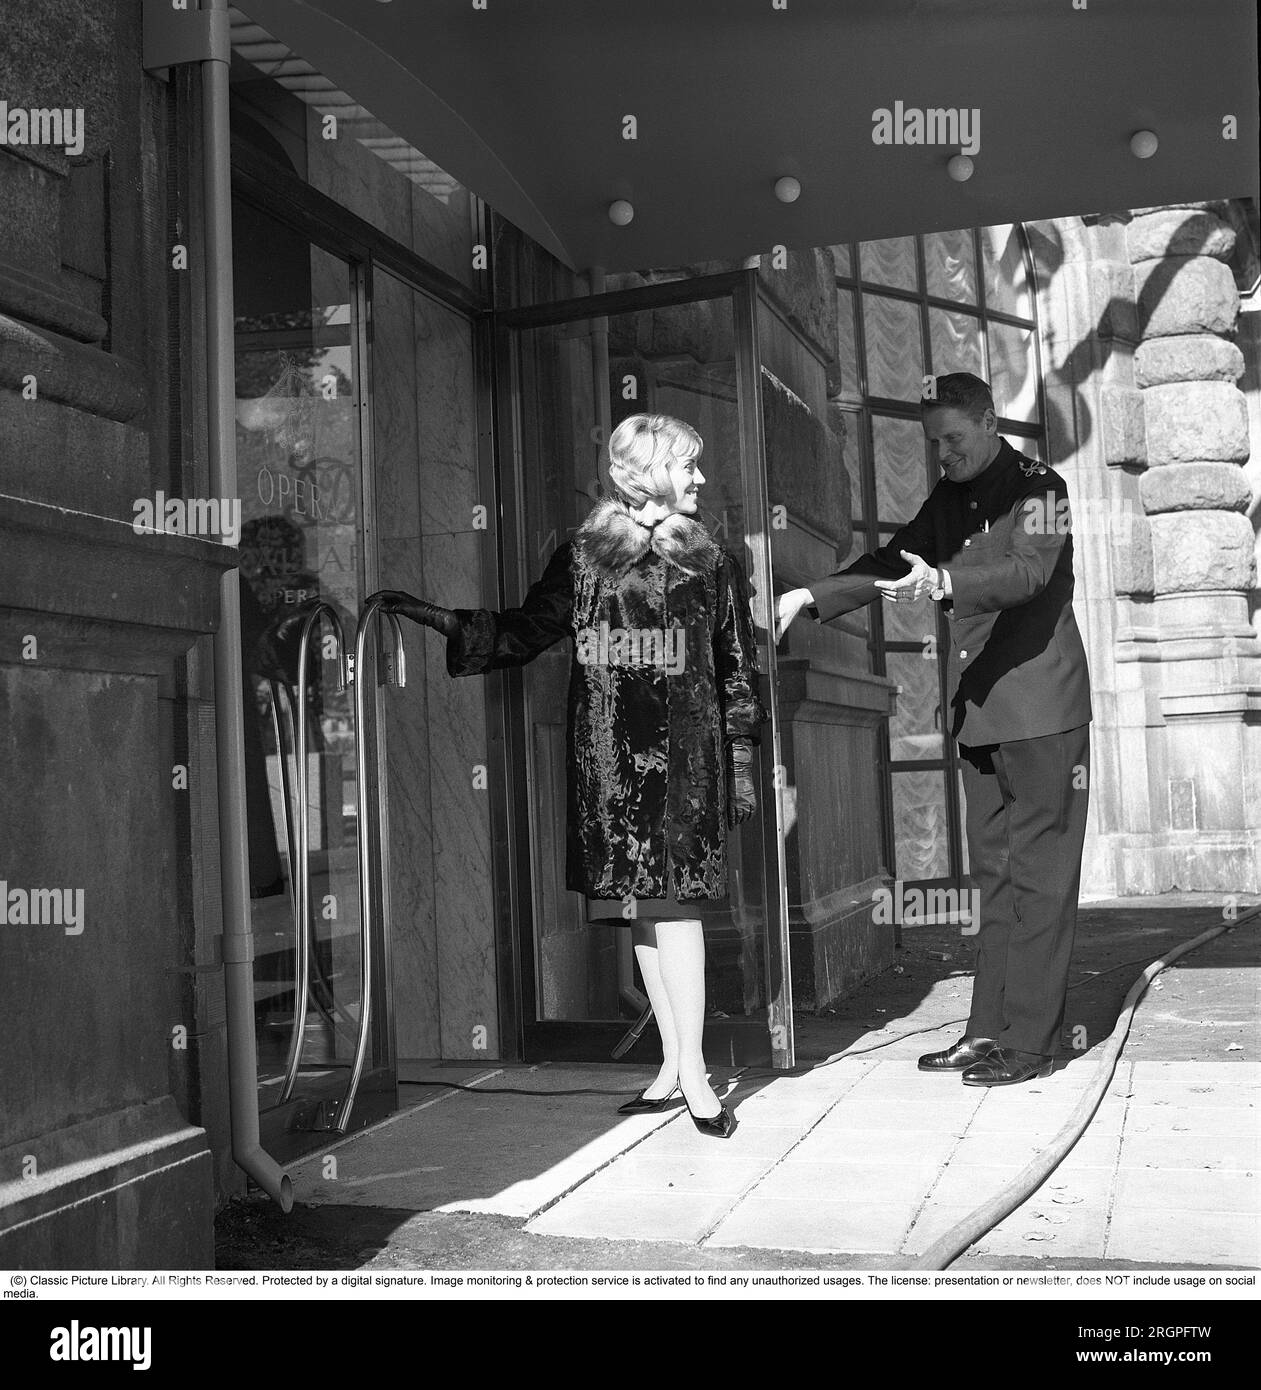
300	869
370	610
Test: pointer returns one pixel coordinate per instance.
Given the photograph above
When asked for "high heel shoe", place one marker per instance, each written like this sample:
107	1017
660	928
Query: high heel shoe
719	1126
641	1106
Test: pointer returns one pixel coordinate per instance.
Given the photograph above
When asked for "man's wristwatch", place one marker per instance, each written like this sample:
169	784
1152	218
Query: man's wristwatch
937	591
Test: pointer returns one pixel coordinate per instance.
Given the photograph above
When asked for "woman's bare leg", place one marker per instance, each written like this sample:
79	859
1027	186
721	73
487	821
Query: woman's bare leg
644	935
681	959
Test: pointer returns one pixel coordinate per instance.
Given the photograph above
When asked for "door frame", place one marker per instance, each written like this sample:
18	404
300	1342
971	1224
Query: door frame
743	1041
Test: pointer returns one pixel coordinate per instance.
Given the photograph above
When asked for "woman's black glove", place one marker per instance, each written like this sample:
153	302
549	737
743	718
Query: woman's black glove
418	610
741	798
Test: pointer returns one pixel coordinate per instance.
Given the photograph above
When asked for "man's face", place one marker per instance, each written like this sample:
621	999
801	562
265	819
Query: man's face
961	446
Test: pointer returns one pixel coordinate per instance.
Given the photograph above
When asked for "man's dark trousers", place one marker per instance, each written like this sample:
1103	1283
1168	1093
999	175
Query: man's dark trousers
1026	822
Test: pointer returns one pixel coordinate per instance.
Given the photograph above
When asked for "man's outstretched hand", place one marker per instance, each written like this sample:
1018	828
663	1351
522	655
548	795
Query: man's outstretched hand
913	586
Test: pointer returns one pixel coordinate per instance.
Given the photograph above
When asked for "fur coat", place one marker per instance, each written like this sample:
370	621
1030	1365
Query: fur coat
663	673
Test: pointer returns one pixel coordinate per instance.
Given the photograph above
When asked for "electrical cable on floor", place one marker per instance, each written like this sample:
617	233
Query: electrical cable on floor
948	1247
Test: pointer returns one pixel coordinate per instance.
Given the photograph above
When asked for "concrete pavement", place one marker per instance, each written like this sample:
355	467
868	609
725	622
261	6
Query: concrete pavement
861	1161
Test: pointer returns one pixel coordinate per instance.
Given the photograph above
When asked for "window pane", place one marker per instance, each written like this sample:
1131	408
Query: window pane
950	265
890	262
955	342
844	259
919	825
901	470
1006	283
846	345
915	730
1013	372
895	351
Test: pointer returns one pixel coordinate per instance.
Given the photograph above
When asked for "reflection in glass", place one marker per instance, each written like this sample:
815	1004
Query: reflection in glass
297	115
950	265
1014	372
299	466
1007	288
955	339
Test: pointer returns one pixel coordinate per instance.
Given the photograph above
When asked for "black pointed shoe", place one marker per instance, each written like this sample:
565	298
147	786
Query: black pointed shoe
719	1126
641	1106
1004	1066
965	1053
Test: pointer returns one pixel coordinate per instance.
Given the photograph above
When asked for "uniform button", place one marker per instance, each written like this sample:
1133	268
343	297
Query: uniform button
963	656
972	505
967	542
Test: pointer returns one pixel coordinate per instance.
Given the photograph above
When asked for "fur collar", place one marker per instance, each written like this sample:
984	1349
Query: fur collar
612	540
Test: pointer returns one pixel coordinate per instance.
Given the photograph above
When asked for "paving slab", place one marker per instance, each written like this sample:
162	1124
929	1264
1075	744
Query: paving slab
819	1226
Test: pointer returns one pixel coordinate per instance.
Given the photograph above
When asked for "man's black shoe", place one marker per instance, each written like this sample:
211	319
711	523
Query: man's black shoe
1006	1067
963	1054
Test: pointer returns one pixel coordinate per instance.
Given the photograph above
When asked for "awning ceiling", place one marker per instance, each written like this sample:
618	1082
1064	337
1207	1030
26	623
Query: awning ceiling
524	102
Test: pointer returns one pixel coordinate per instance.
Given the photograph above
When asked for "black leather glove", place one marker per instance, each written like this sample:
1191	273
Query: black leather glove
741	798
418	610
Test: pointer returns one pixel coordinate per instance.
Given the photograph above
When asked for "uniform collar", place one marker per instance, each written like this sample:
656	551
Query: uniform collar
984	488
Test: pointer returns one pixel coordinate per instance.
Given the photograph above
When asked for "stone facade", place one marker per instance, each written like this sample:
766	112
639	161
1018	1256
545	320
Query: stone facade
110	1055
1138	314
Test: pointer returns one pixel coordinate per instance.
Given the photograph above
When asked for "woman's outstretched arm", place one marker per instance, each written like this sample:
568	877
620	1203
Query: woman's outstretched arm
479	639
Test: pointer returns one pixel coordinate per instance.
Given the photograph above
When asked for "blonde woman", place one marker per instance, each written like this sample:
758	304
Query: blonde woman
663	714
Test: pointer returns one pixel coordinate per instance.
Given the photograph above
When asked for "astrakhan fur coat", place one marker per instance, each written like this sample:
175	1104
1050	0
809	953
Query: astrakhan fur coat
663	674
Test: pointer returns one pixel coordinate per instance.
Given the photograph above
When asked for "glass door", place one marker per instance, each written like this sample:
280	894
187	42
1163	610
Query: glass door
575	370
300	444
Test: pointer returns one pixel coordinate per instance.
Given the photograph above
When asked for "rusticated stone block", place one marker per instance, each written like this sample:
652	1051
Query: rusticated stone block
1185	294
1194	421
1132	558
804	469
1121	420
1195	487
1179	232
1112	307
805	288
1194	357
1193	551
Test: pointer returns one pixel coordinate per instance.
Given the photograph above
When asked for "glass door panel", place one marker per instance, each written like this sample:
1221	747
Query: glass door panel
299	461
574	382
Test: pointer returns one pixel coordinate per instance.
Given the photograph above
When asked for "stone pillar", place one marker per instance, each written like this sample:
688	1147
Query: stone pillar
1206	678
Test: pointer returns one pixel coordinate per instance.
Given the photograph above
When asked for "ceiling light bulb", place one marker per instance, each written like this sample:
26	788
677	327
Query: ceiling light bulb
621	212
1143	144
787	189
960	168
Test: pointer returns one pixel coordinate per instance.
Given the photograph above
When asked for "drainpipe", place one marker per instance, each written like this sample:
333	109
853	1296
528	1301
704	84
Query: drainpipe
238	940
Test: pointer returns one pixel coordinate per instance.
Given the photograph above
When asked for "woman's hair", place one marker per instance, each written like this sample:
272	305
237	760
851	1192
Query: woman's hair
641	450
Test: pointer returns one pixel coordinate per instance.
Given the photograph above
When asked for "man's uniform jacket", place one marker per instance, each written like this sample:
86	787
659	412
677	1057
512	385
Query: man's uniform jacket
1017	667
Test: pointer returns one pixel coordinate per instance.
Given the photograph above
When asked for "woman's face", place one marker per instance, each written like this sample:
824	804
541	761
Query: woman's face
686	480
